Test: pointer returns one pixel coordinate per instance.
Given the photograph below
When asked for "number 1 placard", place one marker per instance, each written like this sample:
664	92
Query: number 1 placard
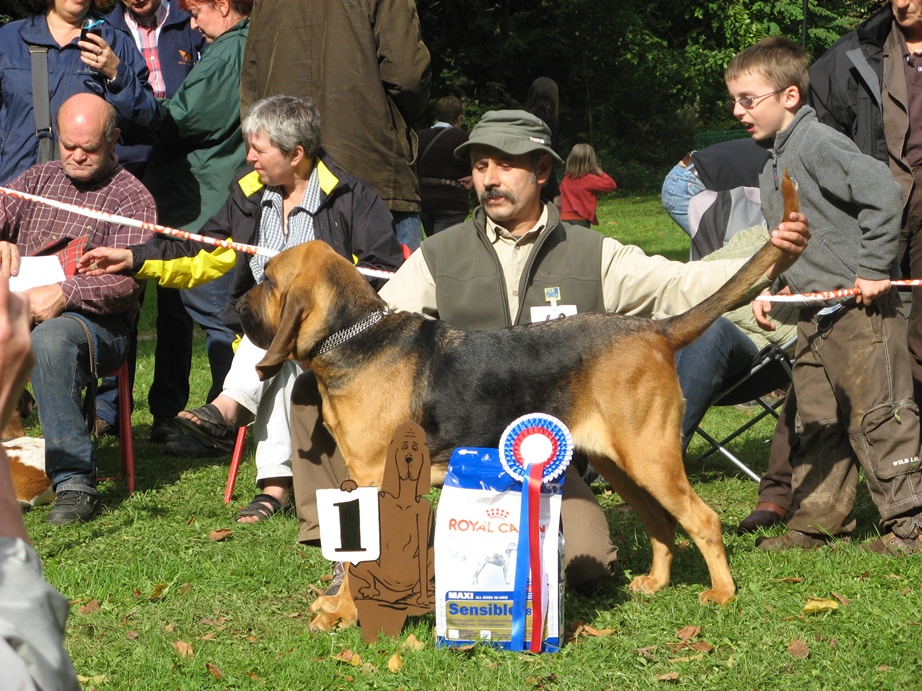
350	525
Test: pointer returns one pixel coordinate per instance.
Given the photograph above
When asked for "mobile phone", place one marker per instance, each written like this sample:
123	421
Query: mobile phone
91	26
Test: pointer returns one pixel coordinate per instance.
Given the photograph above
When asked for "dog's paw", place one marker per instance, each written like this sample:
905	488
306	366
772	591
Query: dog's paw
717	595
646	584
331	610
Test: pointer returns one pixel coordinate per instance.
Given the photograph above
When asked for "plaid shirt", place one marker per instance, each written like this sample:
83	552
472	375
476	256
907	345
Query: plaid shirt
146	38
298	229
38	229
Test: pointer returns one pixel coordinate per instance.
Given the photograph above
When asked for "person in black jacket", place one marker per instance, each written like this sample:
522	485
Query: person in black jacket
867	86
292	194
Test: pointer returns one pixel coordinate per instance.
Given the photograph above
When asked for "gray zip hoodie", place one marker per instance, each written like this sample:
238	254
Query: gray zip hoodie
850	200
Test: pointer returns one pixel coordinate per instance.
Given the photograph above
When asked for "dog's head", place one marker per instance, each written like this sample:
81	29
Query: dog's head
408	461
307	293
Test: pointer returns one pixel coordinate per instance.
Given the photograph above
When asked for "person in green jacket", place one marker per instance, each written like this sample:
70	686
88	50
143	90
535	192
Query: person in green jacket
200	148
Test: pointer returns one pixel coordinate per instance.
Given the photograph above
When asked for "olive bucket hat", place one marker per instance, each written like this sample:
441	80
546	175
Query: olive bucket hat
513	132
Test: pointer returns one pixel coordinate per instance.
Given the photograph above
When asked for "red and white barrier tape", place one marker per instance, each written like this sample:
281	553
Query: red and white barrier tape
164	230
829	294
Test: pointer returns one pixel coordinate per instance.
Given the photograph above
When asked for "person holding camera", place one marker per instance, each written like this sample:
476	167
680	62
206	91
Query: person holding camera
52	49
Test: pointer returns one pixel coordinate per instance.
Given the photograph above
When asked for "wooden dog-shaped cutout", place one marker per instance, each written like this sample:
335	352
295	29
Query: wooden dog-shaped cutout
610	379
401	581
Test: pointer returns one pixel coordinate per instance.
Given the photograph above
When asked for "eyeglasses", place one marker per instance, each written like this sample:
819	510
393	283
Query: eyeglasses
749	102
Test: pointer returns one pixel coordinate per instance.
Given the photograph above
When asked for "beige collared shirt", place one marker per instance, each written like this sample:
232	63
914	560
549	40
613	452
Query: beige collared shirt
632	282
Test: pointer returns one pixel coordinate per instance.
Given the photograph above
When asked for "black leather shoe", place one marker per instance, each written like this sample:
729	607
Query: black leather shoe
190	446
73	506
765	515
163	429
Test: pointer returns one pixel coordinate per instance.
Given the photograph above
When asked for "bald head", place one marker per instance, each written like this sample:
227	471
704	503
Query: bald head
87	133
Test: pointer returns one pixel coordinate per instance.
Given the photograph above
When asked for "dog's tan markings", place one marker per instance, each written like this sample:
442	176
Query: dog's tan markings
385	390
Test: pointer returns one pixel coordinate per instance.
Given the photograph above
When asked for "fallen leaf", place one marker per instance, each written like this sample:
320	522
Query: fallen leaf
294	615
841	598
136	593
686	659
865	575
191	520
688	632
215	670
131	635
185	588
206	637
646	652
819	604
89	607
798	649
251	638
158	591
798	617
395	663
212	622
792	579
252	676
219	534
668	676
183	648
169	627
368	668
413	643
702	647
883	668
345	656
356	660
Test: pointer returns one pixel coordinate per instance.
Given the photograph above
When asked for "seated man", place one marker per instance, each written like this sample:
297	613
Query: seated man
83	324
492	272
295	194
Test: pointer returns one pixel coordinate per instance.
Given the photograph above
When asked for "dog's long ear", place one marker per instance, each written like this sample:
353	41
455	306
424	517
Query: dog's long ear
425	476
285	342
390	482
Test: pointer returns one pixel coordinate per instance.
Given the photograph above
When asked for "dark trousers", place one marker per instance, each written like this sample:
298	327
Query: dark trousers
855	409
910	253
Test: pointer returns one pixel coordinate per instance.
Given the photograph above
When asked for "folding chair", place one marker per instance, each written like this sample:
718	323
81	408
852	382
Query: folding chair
770	371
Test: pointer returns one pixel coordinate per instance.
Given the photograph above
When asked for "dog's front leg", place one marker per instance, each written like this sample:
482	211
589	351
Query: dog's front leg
330	609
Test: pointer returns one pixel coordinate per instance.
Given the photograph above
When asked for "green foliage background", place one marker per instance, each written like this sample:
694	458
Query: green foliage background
638	79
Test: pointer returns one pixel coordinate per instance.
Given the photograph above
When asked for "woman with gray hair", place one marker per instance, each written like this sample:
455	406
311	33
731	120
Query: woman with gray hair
290	193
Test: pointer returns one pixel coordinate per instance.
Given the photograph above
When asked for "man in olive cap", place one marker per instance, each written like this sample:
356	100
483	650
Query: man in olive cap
502	268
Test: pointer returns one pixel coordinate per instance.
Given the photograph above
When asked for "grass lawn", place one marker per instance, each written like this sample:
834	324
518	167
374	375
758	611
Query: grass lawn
157	604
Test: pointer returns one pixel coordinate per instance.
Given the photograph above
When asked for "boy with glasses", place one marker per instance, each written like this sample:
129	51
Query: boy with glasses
852	377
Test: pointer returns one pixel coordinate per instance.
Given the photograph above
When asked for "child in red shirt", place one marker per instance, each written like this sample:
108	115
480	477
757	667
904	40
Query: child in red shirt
582	185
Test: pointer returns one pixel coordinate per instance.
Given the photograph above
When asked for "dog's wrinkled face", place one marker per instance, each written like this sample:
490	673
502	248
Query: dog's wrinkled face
276	314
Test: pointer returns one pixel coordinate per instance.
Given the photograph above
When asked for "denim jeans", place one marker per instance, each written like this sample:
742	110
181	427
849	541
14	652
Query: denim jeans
61	373
720	353
409	228
205	304
680	185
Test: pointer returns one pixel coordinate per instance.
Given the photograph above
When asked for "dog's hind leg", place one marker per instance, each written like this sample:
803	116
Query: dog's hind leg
660	526
666	484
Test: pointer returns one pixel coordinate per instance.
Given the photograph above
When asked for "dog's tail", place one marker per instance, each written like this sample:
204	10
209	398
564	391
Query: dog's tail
686	327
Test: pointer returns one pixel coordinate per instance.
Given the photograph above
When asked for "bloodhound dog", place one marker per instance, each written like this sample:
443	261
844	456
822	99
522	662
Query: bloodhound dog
611	379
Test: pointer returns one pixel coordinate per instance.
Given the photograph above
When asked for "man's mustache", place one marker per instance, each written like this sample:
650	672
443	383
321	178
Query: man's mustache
494	193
